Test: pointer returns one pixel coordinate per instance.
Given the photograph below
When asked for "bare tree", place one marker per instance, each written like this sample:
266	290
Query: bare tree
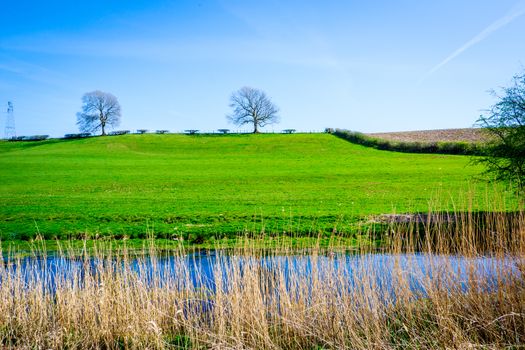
252	106
504	154
99	110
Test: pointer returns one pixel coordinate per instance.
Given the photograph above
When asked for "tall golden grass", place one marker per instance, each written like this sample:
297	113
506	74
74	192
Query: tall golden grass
294	299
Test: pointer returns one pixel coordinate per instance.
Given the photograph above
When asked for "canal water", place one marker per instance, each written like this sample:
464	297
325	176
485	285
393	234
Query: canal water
209	270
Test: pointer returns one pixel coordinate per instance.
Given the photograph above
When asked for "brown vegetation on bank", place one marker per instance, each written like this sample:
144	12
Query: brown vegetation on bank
108	302
443	135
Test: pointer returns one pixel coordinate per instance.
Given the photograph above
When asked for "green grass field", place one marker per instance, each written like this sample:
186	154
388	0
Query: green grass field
199	186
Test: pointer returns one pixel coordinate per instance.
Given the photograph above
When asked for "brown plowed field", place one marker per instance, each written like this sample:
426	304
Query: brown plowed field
451	135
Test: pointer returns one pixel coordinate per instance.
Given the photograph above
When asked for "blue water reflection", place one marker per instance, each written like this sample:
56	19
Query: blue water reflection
209	270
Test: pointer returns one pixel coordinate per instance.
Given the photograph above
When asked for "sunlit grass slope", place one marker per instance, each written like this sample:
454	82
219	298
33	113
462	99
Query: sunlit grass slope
217	184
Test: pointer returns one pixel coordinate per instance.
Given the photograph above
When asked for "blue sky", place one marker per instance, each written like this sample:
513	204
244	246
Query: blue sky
376	65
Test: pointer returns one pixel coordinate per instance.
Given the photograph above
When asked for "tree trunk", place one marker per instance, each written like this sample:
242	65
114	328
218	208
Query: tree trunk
255	127
102	120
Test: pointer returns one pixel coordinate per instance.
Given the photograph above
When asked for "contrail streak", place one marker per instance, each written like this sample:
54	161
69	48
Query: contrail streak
517	11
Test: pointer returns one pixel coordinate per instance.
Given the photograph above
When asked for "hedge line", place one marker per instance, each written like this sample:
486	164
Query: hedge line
460	148
29	138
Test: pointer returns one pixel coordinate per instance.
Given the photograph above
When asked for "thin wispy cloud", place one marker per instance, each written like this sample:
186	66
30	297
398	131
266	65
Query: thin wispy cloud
30	71
517	11
227	49
280	30
9	68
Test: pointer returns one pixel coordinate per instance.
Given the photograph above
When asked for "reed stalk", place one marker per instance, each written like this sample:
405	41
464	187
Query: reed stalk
451	280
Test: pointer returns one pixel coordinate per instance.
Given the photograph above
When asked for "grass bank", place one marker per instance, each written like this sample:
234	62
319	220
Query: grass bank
90	247
204	186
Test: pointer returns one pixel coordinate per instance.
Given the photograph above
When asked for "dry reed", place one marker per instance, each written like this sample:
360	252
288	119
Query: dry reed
448	281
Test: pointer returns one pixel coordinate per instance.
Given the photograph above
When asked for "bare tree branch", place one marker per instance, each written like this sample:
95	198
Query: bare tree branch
505	121
99	110
252	106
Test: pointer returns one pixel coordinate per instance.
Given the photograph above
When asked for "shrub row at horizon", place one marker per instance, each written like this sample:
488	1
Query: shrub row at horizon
445	147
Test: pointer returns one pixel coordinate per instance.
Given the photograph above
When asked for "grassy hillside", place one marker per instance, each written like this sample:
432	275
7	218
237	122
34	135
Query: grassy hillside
222	184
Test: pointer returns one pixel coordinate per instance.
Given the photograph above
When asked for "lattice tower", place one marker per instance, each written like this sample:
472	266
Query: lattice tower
10	122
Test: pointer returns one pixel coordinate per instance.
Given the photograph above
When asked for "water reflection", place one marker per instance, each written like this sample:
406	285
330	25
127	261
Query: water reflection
209	270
